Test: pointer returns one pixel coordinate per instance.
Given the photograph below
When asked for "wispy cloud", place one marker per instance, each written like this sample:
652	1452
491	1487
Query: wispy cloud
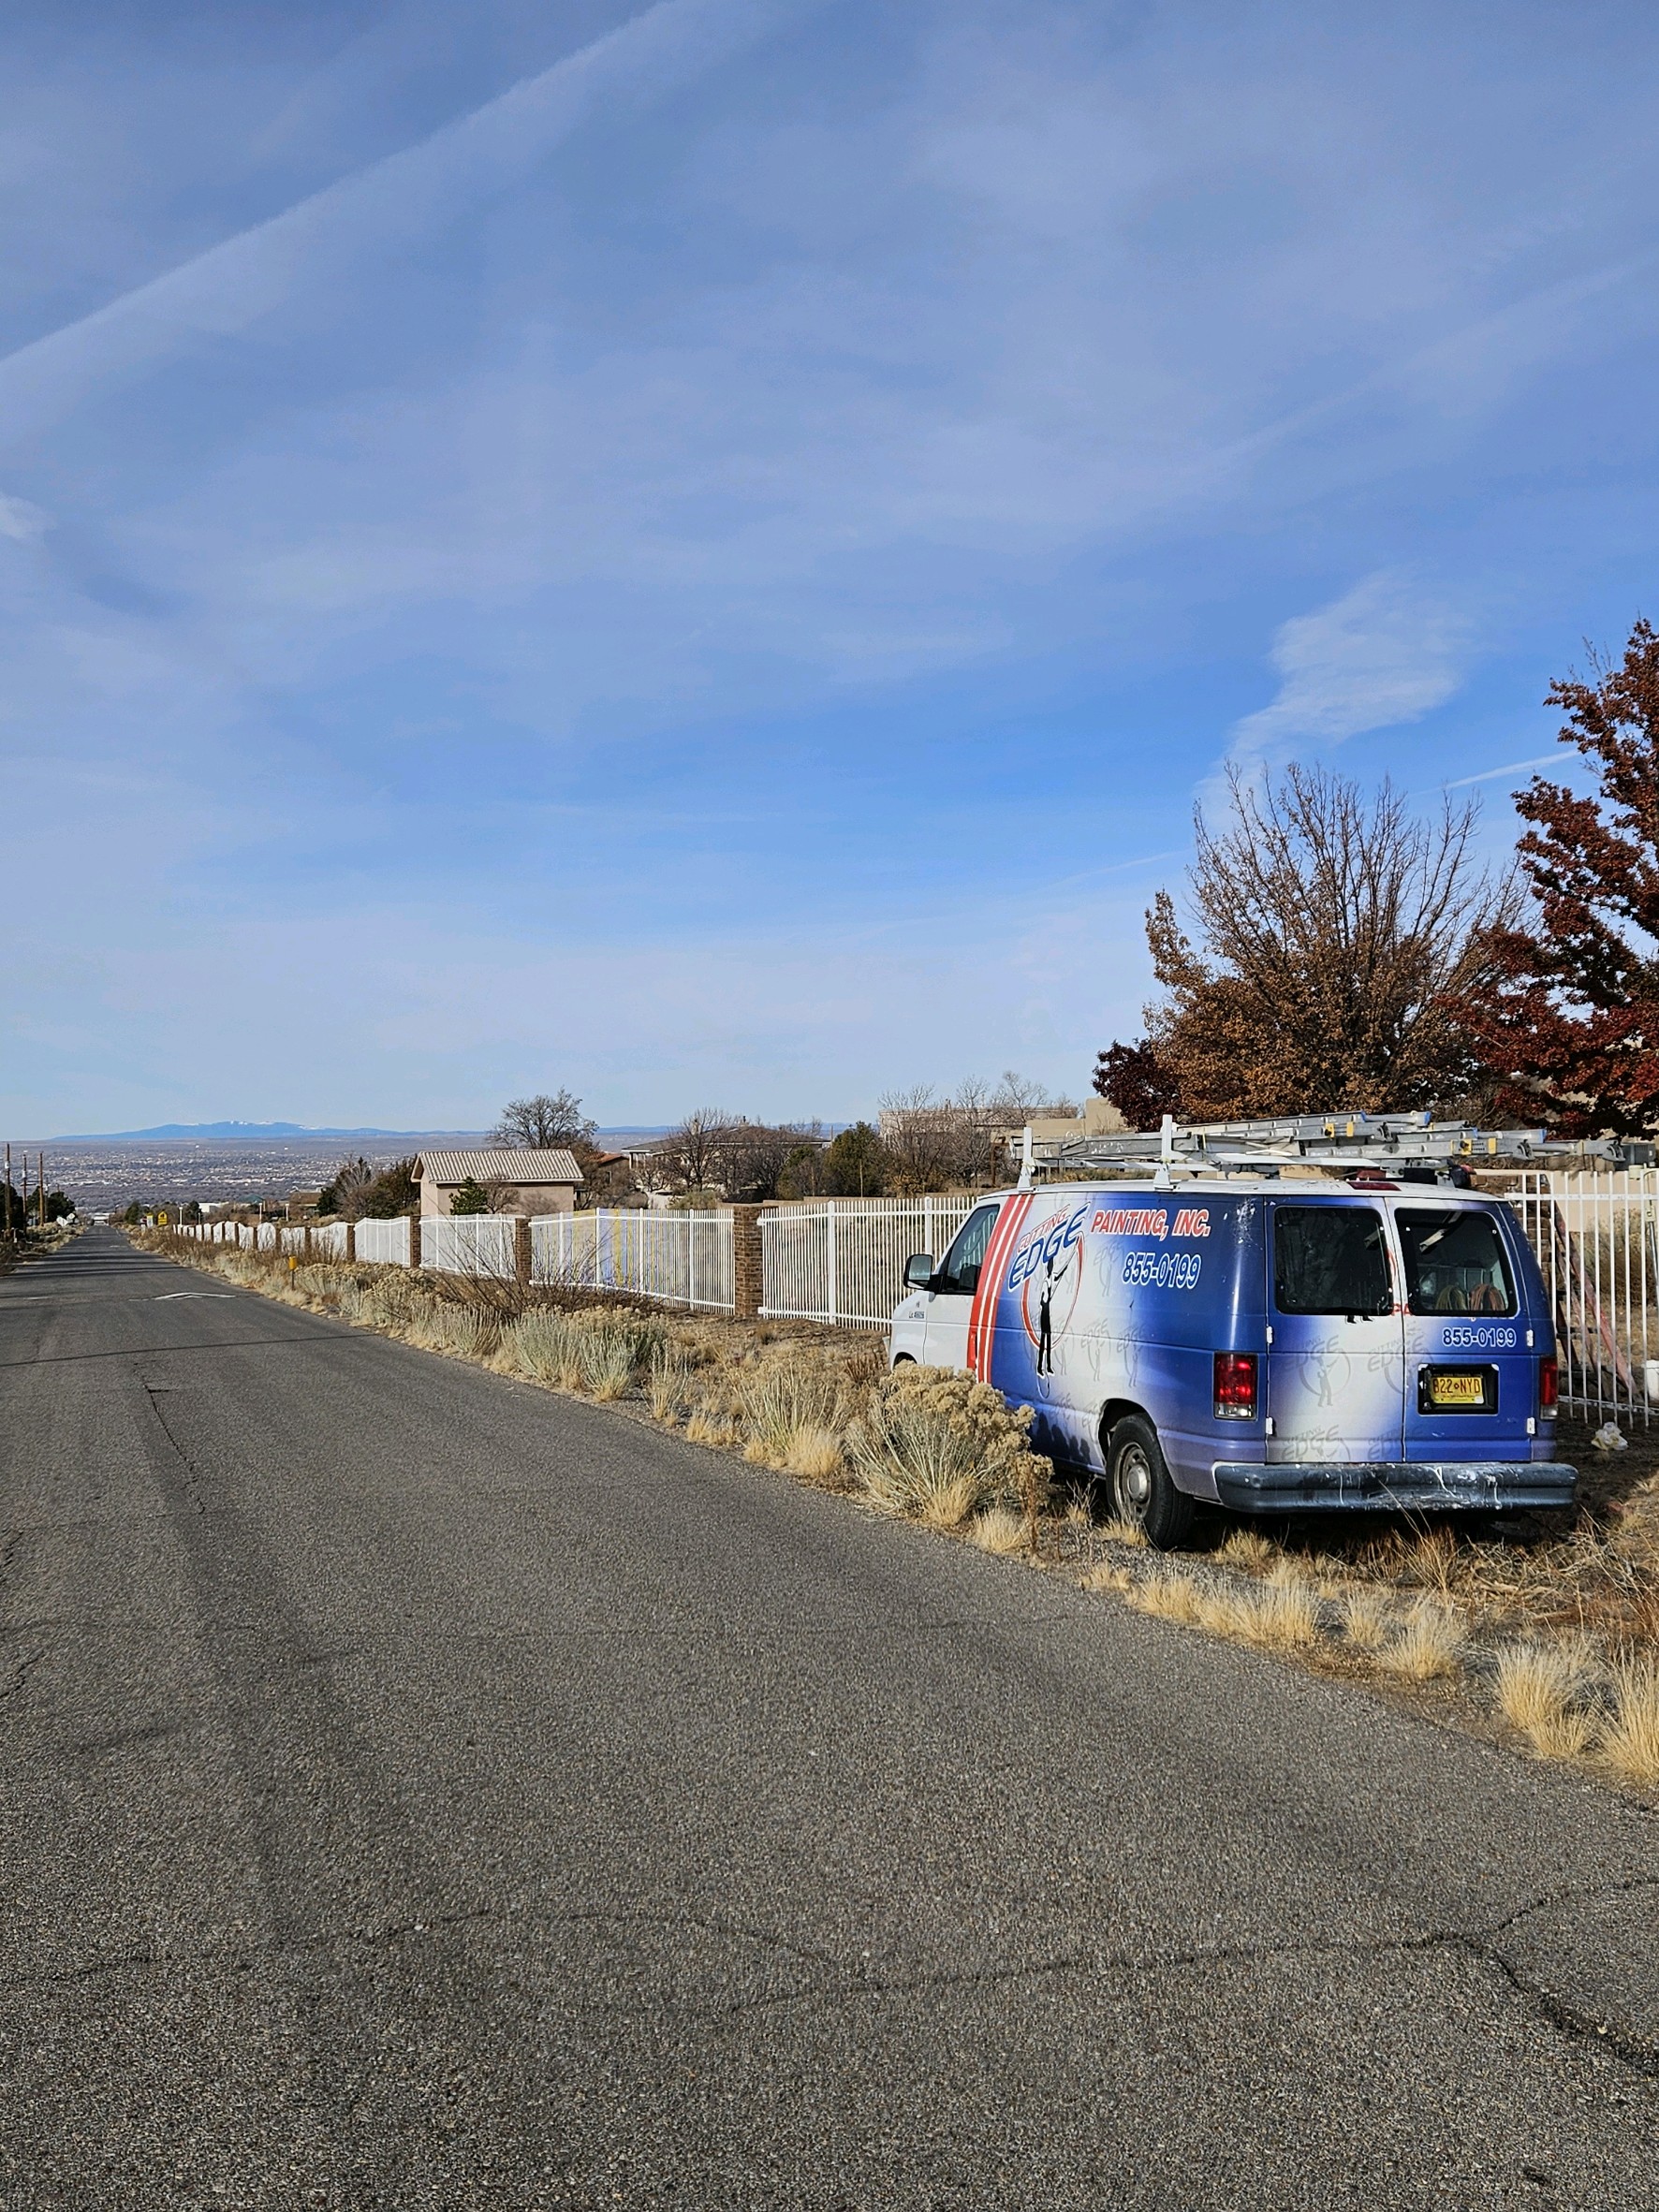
1511	767
1386	653
233	283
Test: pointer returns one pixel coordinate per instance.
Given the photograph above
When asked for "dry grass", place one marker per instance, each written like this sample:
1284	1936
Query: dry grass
1249	1551
1106	1577
1540	1690
1630	1735
1116	1532
1366	1614
1425	1647
1168	1596
998	1530
1274	1617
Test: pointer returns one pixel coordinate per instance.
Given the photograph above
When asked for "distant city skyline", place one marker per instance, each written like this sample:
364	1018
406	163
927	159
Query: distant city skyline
705	553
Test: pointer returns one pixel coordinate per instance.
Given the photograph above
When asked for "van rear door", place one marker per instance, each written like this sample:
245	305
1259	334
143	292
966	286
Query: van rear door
1336	1350
1471	1366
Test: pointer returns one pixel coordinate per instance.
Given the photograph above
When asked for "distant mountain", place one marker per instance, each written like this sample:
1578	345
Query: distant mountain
241	1132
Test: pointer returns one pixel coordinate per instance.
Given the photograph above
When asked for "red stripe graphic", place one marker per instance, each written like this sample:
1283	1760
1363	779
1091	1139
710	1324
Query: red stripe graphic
988	1290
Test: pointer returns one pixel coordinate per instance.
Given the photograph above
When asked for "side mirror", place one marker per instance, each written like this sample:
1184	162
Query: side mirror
919	1271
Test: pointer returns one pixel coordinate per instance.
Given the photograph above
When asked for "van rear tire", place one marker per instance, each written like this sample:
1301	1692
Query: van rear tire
1139	1486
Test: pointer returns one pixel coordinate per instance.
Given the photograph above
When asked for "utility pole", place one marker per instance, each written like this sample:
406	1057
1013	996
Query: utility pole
8	1193
41	1159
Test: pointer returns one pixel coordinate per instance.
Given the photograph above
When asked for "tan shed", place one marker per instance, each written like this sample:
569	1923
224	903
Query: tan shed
517	1182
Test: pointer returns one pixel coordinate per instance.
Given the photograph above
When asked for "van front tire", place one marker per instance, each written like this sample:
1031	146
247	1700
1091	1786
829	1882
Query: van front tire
1139	1486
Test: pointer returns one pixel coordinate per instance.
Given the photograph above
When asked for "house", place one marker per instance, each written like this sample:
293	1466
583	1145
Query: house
516	1181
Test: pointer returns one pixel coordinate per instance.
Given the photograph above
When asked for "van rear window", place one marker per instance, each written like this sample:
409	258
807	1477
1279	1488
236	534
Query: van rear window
1331	1259
1455	1263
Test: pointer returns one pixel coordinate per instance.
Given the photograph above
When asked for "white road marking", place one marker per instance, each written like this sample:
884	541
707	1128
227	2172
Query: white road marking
194	1294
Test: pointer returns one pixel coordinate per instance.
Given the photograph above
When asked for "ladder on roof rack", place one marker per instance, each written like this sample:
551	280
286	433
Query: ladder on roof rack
1356	1140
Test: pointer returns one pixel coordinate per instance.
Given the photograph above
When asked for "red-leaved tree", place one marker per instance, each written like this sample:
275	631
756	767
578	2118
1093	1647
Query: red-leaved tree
1571	1029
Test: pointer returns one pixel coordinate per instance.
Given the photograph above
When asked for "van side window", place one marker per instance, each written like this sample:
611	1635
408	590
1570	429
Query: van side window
960	1272
1331	1259
1455	1263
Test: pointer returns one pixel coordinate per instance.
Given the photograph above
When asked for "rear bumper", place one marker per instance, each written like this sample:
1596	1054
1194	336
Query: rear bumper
1384	1486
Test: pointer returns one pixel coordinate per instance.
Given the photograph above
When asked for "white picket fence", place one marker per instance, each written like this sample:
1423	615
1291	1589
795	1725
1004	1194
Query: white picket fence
842	1260
682	1258
1598	1240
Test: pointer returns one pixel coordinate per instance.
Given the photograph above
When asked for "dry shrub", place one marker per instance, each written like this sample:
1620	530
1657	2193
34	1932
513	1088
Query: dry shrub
1539	1689
668	1381
595	1352
1630	1737
998	1530
1169	1597
1425	1647
789	1407
709	1429
928	1434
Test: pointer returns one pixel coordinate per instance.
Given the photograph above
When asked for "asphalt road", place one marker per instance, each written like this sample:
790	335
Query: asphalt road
422	1791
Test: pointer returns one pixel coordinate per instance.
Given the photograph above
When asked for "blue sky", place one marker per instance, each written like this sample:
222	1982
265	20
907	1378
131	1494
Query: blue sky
705	554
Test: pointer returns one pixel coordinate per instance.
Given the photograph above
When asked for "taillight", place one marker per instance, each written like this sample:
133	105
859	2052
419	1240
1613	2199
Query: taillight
1235	1385
1548	1384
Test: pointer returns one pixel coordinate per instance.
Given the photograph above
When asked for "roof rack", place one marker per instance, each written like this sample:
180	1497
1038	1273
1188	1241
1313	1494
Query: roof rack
1343	1141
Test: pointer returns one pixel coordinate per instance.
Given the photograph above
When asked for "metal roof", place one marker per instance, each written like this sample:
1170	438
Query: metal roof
500	1165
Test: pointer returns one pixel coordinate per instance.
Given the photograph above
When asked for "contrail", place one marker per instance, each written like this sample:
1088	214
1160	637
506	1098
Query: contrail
230	285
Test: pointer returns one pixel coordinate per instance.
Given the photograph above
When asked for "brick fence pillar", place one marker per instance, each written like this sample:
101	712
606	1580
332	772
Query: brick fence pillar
351	1244
414	1240
522	1250
305	1242
748	1285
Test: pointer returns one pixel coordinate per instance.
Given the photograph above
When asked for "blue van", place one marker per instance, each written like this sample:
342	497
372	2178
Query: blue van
1263	1344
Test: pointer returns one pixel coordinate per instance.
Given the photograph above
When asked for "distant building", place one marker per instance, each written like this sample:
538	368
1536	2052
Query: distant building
517	1182
301	1203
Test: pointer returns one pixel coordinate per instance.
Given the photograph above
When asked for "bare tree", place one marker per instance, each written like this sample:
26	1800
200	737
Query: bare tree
757	1154
542	1124
694	1153
931	1143
1337	936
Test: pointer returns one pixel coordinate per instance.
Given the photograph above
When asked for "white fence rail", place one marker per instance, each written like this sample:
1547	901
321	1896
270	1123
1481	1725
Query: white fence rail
469	1244
384	1244
1598	1240
842	1260
683	1258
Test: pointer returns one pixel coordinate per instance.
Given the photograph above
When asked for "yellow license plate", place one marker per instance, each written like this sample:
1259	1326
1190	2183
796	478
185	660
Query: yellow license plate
1459	1390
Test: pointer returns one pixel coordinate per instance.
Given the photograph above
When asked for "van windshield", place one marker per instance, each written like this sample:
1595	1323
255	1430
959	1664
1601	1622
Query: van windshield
1331	1259
966	1256
1455	1263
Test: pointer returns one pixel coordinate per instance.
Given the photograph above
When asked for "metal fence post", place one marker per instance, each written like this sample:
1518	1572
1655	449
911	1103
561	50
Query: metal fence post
829	1256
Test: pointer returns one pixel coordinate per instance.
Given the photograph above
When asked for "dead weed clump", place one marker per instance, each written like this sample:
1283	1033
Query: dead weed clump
1426	1647
1169	1595
1630	1735
1540	1690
